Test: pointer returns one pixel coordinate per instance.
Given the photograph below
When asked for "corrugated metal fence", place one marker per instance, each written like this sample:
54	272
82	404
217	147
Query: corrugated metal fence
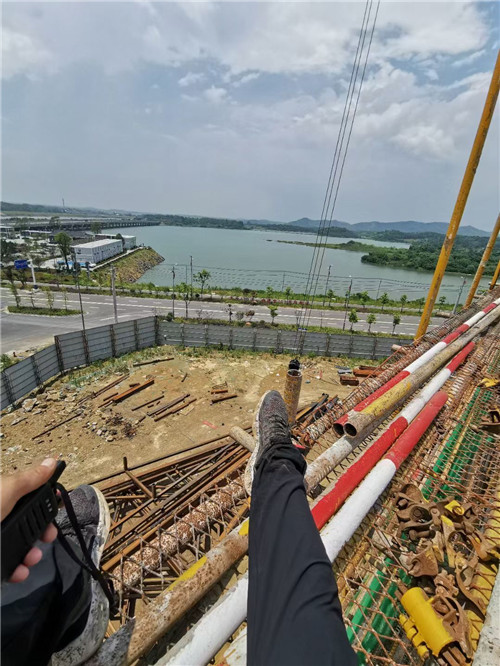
72	350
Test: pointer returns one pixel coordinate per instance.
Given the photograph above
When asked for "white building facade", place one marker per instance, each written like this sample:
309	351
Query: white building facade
129	242
97	251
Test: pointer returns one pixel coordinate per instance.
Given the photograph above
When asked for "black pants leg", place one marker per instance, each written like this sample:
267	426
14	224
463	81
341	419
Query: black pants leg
294	614
47	611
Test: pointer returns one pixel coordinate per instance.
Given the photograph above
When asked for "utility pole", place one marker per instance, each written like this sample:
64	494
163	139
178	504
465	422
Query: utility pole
173	290
464	279
347	299
113	289
191	265
35	286
463	194
80	299
482	264
283	284
326	286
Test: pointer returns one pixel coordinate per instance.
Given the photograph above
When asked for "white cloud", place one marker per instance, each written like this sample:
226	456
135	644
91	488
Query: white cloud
264	37
468	60
413	113
190	78
21	53
246	78
215	95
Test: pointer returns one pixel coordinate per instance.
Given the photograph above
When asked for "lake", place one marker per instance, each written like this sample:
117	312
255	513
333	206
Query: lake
255	260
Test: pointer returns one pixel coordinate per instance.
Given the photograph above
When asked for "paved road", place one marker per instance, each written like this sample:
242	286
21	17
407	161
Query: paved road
21	332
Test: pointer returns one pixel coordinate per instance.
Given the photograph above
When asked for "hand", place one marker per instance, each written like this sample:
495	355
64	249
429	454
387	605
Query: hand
14	487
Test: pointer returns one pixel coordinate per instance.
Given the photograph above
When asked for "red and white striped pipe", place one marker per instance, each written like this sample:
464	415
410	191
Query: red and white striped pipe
329	503
203	640
415	365
345	523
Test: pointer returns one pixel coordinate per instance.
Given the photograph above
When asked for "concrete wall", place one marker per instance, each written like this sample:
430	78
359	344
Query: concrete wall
72	350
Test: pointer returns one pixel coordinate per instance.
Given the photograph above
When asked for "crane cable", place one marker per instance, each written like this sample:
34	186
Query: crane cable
339	158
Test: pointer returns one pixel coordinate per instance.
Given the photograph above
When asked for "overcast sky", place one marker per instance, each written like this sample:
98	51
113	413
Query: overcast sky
232	109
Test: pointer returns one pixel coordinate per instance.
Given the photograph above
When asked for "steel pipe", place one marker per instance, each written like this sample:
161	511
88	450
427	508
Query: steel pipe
329	503
207	636
339	424
463	194
482	264
359	421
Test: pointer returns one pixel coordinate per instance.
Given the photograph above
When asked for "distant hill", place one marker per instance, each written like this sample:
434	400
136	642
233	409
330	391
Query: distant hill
406	226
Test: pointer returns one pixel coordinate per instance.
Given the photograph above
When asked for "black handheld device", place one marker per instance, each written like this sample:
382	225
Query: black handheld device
27	521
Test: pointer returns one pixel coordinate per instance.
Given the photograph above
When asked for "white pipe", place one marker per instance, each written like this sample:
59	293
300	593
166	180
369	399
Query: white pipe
208	635
211	632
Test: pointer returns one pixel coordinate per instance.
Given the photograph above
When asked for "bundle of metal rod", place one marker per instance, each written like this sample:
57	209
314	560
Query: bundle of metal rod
179	484
180	598
206	572
211	632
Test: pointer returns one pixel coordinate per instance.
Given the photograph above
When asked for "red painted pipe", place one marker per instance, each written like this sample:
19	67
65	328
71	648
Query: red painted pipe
342	420
330	503
413	434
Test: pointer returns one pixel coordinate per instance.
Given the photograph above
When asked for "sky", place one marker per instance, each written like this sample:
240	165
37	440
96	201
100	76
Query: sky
233	109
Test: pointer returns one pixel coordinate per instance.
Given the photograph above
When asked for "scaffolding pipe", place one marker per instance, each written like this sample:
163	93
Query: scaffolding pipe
162	613
293	384
495	276
482	264
415	365
360	421
208	635
463	194
330	503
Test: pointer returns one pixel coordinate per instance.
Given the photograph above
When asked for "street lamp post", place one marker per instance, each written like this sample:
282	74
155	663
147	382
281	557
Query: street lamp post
191	266
173	290
326	286
347	299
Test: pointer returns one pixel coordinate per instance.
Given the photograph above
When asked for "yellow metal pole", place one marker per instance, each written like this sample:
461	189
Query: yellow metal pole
470	171
495	276
484	260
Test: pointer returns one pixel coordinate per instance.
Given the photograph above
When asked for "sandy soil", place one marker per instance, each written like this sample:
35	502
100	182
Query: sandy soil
94	442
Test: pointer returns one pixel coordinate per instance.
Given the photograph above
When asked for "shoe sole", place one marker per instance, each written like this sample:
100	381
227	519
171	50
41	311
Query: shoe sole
250	468
83	647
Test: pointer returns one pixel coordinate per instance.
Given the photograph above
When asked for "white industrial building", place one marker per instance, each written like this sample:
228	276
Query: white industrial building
97	251
129	242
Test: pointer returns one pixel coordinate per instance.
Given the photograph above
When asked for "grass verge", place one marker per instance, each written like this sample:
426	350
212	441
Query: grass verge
54	312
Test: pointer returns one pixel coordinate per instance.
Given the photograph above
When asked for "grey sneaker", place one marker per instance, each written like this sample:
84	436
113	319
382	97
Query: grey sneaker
270	428
92	523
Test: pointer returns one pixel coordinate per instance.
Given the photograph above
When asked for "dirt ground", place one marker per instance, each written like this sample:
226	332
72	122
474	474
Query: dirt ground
94	442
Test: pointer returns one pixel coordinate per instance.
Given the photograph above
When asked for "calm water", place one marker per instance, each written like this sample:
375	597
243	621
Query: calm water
255	260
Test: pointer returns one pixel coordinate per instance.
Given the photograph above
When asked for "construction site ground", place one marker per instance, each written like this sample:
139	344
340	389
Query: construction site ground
94	442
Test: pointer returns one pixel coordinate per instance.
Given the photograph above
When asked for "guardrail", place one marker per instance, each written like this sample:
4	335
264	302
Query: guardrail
77	349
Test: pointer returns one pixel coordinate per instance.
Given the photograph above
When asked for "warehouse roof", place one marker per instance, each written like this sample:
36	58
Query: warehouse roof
97	243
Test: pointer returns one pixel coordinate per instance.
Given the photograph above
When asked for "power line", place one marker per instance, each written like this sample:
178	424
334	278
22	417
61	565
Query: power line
339	158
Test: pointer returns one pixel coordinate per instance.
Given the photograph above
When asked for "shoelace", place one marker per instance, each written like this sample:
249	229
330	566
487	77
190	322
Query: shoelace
88	565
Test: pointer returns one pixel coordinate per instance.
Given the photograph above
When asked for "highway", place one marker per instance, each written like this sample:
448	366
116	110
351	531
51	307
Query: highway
21	332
